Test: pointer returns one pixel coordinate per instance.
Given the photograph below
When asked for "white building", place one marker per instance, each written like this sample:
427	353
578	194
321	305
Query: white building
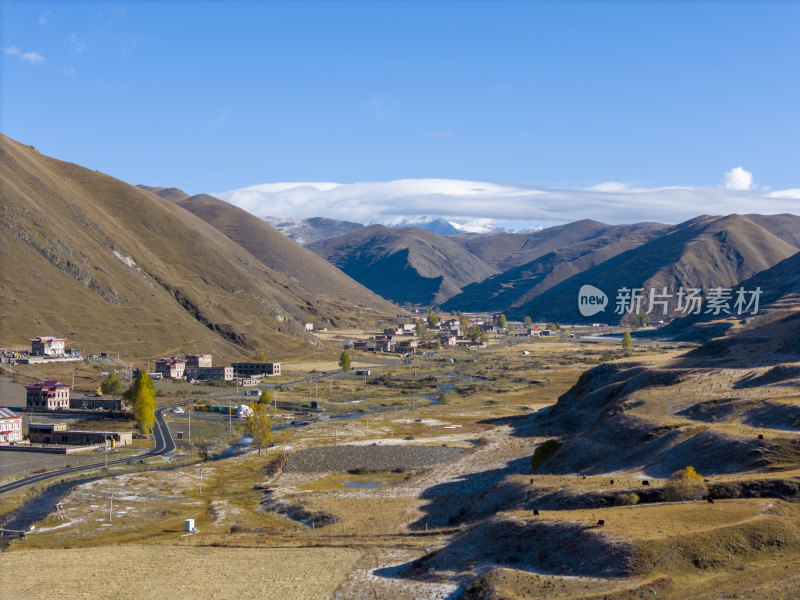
10	426
47	346
50	395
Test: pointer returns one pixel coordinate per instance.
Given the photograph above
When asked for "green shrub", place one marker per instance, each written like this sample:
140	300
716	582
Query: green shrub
544	452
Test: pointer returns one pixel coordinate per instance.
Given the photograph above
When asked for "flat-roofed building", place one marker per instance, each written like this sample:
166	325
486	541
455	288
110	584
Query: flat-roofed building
198	360
209	373
250	369
57	433
100	403
50	395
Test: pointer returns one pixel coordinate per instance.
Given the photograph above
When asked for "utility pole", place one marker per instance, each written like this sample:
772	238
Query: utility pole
190	425
111	507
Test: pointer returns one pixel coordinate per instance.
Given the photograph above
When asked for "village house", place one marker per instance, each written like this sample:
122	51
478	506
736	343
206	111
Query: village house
375	345
406	346
57	433
171	368
392	331
447	339
10	427
198	360
111	403
47	346
50	395
209	373
409	328
250	369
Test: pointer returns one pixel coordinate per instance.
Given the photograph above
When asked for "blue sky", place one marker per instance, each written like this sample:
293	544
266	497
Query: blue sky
214	96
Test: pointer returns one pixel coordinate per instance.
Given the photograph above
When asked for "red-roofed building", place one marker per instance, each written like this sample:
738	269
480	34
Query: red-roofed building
50	395
171	368
10	426
47	346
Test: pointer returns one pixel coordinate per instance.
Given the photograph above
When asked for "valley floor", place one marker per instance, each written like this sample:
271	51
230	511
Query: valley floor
438	501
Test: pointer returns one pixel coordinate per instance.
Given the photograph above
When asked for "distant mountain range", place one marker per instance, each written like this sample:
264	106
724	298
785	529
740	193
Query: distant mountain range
539	274
315	229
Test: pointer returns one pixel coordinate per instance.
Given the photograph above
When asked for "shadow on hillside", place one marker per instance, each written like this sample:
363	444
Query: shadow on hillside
545	547
472	496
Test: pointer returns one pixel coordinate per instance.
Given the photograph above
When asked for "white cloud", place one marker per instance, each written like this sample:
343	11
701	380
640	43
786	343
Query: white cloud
77	45
68	72
737	179
464	201
793	193
33	58
383	106
43	17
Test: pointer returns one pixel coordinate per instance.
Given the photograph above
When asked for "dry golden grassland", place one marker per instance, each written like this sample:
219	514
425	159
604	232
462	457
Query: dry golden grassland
366	539
147	571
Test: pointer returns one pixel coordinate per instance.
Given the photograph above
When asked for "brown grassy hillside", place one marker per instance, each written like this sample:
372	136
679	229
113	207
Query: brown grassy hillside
112	267
780	299
325	283
509	250
704	252
404	264
521	284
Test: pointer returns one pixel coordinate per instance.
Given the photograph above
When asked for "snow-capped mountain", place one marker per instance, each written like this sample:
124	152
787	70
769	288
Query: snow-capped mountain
305	231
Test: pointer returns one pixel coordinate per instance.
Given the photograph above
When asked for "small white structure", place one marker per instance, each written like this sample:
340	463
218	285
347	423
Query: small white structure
188	525
243	411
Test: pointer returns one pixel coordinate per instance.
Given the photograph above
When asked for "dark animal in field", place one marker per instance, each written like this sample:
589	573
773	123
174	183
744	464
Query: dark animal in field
612	482
761	436
645	483
601	523
535	512
711	501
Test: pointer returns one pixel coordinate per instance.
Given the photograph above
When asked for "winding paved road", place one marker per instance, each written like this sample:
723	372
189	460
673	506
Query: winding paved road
163	444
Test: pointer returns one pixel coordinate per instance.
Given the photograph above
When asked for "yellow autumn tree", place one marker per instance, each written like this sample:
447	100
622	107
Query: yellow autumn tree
686	484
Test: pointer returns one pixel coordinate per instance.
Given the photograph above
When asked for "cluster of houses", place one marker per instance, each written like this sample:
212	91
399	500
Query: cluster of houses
403	338
198	367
